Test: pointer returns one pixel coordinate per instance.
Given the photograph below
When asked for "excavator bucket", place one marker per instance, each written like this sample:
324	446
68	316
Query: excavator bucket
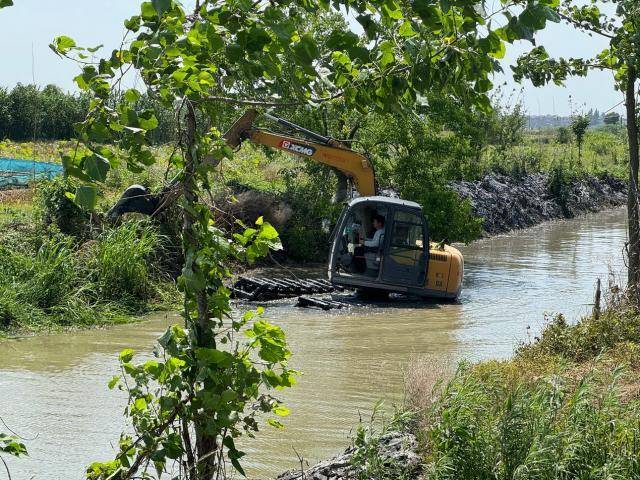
234	135
136	199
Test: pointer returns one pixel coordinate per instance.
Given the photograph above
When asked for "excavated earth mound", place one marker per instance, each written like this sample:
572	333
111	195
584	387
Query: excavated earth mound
510	203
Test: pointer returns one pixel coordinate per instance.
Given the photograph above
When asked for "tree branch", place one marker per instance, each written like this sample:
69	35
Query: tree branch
6	468
584	27
266	103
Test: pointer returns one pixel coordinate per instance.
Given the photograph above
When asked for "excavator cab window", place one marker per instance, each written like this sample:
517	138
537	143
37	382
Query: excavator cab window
360	249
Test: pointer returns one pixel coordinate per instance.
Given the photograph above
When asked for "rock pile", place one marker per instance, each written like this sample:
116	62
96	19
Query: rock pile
393	448
510	203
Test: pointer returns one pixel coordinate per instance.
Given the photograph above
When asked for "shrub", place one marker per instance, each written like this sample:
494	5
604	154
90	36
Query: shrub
450	217
587	338
564	135
306	237
559	184
53	207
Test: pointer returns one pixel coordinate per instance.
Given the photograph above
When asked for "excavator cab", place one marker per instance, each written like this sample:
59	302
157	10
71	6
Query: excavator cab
394	260
402	261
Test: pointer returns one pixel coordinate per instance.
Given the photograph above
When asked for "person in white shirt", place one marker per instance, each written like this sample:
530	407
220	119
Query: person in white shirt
378	224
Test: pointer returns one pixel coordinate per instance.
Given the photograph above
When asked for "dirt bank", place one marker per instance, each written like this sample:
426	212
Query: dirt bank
511	203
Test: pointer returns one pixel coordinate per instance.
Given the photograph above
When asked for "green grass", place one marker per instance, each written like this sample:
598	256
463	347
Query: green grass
15	207
51	281
605	152
553	427
44	151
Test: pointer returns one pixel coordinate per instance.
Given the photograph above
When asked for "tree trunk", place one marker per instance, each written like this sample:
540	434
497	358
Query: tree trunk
205	444
632	200
342	189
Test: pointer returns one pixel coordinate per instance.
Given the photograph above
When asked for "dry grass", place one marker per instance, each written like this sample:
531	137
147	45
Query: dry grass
16	196
424	378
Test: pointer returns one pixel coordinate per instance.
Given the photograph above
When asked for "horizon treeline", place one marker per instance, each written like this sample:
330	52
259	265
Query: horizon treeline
30	112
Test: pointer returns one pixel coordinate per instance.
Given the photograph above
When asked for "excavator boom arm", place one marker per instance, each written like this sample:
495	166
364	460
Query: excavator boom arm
354	165
323	150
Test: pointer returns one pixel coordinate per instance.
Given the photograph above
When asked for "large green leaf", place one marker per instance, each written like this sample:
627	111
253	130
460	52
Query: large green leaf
6	3
86	197
97	167
62	44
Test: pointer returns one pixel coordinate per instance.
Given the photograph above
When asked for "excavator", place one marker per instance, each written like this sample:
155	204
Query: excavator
379	244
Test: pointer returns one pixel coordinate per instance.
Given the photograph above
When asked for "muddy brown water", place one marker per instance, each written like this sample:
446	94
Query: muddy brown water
53	388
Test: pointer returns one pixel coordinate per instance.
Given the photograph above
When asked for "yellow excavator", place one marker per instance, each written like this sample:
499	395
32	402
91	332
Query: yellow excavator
379	244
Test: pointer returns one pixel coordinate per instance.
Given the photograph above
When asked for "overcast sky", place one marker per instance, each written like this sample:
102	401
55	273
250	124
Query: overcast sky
30	25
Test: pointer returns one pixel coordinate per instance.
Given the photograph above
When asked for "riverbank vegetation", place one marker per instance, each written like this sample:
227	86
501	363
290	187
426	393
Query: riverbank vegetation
566	405
57	270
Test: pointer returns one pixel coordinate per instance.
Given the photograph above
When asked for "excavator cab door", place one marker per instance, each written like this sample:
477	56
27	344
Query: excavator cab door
406	253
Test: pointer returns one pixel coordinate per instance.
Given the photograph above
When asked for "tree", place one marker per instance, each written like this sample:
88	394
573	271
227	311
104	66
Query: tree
612	118
579	125
622	30
564	136
190	404
506	126
5	113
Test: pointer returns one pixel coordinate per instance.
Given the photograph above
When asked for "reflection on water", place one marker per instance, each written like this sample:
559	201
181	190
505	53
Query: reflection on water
55	387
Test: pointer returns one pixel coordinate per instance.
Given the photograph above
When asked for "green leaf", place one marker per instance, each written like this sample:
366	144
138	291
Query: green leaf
237	466
86	197
406	30
62	44
6	3
126	355
228	396
148	11
11	446
140	404
429	14
275	423
267	232
534	17
113	382
306	50
133	23
210	355
147	120
281	411
161	6
391	10
132	95
551	15
97	167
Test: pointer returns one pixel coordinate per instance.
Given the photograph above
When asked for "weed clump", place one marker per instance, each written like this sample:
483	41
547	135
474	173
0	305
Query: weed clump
121	262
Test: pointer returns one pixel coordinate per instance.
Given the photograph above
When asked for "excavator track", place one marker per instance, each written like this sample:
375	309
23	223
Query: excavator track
268	289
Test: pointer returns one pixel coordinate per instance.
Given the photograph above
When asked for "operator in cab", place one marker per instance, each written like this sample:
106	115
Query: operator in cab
378	224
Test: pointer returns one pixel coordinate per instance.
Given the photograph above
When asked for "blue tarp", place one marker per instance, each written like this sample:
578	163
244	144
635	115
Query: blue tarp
14	172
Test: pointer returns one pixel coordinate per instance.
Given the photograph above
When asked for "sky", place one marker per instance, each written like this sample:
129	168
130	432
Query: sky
27	28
